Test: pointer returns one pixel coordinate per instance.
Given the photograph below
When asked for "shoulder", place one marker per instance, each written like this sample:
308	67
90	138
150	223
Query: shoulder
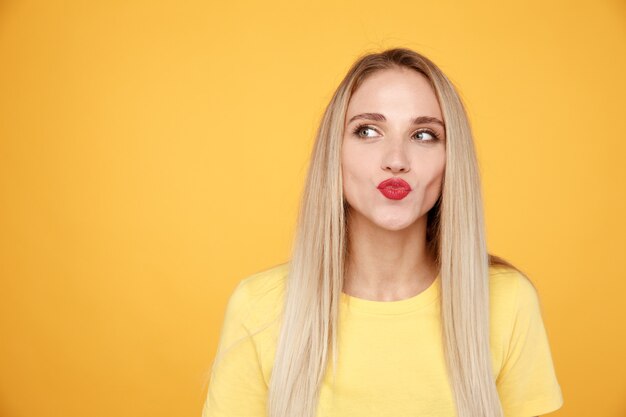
511	293
523	366
258	297
515	298
510	286
515	308
267	281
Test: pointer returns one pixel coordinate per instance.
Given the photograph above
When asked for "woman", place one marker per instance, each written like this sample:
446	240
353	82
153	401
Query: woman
390	304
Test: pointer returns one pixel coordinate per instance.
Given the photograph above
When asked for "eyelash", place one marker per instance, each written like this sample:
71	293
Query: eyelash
356	130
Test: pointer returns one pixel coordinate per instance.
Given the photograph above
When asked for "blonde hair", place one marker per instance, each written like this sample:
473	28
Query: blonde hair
455	237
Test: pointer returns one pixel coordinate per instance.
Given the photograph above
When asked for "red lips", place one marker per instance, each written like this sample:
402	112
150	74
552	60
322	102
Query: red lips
394	188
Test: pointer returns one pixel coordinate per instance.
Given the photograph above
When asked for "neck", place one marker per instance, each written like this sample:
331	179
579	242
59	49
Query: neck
387	265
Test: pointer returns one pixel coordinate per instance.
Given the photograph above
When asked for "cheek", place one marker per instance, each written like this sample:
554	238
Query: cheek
354	170
350	180
434	175
351	164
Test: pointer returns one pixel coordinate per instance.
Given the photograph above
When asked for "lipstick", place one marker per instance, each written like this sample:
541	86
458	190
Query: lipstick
394	188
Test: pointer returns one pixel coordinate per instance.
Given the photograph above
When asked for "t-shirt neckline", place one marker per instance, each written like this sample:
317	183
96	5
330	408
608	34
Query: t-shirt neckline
414	303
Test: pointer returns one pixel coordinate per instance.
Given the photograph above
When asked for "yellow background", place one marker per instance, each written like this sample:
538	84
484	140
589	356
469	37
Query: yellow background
152	154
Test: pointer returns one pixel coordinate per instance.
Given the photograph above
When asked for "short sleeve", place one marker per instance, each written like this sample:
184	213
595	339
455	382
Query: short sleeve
527	383
236	386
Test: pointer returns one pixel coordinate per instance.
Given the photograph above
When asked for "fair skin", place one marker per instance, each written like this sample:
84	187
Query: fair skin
388	260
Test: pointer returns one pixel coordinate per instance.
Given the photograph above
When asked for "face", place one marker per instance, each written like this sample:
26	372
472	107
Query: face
392	131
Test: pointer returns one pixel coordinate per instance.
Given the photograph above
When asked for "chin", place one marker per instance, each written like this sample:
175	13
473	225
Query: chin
394	224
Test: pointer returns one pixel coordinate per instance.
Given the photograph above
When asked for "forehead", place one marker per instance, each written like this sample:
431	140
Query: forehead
397	92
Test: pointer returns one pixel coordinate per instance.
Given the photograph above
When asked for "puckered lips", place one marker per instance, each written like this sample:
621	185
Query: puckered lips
394	188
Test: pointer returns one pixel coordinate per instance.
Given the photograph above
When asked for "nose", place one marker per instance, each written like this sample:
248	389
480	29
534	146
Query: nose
395	158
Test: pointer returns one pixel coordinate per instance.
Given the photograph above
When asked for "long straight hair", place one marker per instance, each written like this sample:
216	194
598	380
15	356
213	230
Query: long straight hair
455	239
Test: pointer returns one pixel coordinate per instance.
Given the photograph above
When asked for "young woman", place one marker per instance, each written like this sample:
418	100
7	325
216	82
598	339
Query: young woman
390	304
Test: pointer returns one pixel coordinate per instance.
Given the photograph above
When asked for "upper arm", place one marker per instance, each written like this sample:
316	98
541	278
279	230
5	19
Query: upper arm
236	386
527	383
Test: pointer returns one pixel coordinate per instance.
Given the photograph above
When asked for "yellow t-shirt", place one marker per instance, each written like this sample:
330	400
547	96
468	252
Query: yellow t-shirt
391	360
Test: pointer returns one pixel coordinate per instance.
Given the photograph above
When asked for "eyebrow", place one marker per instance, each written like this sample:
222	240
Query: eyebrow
381	118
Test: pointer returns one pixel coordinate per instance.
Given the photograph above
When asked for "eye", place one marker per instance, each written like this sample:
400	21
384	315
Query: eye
362	128
434	136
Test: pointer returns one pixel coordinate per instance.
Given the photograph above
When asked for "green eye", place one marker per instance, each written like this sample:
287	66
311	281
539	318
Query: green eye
360	129
433	135
357	131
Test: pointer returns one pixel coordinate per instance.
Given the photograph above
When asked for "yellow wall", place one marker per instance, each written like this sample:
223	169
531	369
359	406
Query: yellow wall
152	154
